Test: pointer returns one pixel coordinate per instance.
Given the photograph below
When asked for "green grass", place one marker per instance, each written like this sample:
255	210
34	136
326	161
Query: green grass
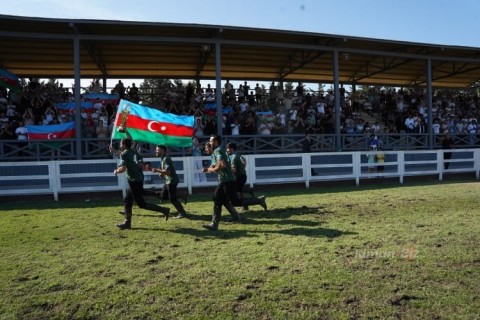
387	252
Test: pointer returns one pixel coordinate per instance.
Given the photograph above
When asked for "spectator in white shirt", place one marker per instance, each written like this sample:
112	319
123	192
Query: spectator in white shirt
21	131
472	127
409	124
265	127
436	127
235	127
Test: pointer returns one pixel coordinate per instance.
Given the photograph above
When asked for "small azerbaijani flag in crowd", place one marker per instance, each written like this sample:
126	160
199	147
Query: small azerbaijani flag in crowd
153	126
69	107
52	131
266	115
106	98
9	80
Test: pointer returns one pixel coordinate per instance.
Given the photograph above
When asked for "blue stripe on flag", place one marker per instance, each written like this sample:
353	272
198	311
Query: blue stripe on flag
51	128
71	105
154	114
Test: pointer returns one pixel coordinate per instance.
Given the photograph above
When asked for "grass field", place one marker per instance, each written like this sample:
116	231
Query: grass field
388	252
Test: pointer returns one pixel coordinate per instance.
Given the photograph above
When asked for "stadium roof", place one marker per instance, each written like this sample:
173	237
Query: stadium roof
44	48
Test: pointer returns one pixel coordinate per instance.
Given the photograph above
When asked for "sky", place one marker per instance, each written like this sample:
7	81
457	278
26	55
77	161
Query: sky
445	22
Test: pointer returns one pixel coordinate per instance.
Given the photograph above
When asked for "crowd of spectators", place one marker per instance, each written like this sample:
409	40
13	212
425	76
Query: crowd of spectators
36	105
277	110
255	110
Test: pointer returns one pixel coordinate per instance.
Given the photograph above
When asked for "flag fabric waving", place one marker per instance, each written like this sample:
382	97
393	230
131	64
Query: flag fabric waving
69	107
104	97
153	126
51	132
266	115
9	80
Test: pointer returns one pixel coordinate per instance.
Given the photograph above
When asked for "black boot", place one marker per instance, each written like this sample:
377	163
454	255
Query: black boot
244	206
234	216
256	201
250	191
153	207
217	213
211	226
127	223
180	209
185	197
263	202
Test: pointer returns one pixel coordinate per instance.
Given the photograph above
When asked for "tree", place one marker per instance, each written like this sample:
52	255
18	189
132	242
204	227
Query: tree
154	91
288	88
95	86
321	89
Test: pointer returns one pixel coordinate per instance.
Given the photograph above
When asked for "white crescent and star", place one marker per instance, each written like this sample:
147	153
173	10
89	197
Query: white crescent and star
150	126
51	136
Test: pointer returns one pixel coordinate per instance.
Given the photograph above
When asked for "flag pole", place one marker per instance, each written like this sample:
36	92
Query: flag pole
114	128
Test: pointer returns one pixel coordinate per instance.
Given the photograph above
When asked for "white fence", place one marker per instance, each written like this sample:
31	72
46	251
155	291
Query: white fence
57	177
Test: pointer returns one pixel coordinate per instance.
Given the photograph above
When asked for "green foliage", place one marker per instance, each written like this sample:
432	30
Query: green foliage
95	86
380	252
52	82
321	88
288	88
153	91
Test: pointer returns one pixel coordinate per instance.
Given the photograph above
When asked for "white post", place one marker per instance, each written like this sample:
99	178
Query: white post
401	165
54	178
357	166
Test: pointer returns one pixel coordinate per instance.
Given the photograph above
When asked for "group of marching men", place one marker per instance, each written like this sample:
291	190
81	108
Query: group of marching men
226	163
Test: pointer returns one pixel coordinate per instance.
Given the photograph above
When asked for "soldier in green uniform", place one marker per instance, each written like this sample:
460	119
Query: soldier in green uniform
167	170
238	164
225	192
131	162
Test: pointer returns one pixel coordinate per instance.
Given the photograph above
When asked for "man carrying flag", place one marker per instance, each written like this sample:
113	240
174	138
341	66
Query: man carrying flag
151	126
131	162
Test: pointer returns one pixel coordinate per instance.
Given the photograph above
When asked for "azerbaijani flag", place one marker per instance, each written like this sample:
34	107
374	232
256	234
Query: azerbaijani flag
266	115
51	132
153	126
69	107
9	80
104	97
211	109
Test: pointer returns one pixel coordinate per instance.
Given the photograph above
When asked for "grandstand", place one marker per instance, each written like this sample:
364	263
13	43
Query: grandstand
372	81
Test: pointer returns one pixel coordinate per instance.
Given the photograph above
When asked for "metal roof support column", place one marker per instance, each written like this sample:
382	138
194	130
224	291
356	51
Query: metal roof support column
104	84
218	86
429	102
338	138
78	117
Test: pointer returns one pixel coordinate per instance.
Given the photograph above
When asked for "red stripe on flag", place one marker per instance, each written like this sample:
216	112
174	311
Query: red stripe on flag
52	135
9	81
166	128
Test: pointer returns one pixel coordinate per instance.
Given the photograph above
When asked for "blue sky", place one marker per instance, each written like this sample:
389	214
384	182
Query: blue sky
447	22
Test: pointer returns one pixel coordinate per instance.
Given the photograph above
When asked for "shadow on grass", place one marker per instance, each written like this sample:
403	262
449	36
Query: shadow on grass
225	233
251	219
282	213
277	216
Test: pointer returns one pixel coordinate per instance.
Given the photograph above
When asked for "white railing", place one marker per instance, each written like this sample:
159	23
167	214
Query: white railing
78	176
